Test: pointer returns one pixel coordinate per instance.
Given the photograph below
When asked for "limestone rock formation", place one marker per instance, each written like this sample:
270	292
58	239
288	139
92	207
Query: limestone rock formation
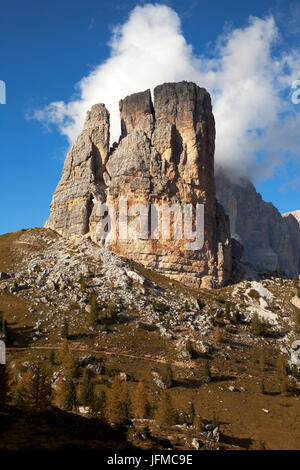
81	184
295	214
268	238
165	157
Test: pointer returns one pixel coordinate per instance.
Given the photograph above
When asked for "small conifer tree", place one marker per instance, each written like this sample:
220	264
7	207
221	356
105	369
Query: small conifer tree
93	314
227	311
198	423
218	335
52	357
65	329
115	410
207	371
192	412
70	398
140	401
165	413
87	389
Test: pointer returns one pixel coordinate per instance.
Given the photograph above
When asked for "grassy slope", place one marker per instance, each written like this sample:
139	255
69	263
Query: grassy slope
138	352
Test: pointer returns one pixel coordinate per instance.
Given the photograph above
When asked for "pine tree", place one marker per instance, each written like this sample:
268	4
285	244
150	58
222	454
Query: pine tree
111	310
149	407
65	329
169	374
215	421
192	412
218	335
93	314
70	399
256	326
52	357
87	389
262	387
140	401
295	371
165	413
4	388
189	348
82	284
207	371
227	310
198	423
236	316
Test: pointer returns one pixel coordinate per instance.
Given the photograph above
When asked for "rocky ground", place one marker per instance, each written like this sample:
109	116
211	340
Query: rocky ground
46	279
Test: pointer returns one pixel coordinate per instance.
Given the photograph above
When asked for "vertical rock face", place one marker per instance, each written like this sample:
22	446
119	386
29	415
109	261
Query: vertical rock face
268	238
81	185
165	157
295	214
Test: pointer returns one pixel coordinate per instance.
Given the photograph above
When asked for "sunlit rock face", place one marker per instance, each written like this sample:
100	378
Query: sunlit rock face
164	158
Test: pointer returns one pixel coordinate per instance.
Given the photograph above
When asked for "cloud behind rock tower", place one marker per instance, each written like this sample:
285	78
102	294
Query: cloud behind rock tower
246	80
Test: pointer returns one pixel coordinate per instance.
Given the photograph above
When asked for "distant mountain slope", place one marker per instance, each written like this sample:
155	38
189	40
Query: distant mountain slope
269	238
295	214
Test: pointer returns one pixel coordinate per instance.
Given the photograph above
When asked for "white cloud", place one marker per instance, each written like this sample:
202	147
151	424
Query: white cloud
246	80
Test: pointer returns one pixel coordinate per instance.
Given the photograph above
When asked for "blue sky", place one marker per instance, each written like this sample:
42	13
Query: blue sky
47	47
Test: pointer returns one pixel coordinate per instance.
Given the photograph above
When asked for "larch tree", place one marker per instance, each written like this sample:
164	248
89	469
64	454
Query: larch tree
165	413
37	387
140	401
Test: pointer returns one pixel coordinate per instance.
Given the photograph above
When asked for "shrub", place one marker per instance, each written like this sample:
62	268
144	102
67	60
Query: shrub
236	316
190	349
215	421
111	310
65	329
258	327
254	294
82	284
160	307
258	444
147	326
